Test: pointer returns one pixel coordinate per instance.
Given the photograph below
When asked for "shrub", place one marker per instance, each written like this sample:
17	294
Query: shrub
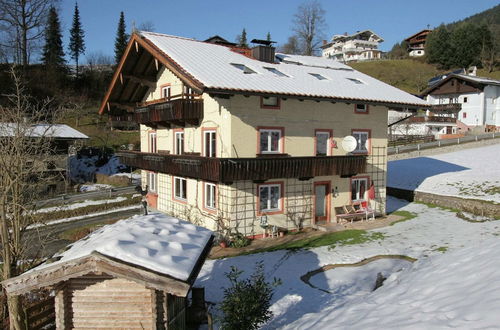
246	302
239	241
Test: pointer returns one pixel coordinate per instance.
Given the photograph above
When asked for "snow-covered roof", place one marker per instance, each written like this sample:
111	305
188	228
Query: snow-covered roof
158	242
60	131
481	80
218	68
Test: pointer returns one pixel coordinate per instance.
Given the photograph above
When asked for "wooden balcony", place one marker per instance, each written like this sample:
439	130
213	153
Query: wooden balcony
228	170
433	119
166	112
447	108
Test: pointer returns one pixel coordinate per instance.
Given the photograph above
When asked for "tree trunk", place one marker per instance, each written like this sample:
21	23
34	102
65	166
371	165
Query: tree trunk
15	313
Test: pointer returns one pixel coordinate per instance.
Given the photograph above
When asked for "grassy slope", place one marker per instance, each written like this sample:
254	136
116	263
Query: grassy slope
408	75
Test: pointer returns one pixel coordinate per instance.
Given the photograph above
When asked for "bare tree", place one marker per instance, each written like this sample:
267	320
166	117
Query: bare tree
291	47
147	26
309	25
25	149
25	21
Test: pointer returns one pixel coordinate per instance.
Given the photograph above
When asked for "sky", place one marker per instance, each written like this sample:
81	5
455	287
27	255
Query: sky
393	20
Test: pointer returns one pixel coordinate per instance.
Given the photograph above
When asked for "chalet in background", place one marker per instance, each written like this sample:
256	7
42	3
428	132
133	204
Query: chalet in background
233	141
416	43
359	46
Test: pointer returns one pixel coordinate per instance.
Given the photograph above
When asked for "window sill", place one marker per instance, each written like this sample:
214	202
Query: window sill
269	212
270	155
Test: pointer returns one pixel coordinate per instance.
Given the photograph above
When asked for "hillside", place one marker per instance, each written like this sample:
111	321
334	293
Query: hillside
407	74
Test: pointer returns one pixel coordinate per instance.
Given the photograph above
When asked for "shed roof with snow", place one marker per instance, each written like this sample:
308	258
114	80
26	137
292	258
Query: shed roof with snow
56	131
157	250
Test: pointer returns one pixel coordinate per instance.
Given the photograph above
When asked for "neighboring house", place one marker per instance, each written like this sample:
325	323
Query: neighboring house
416	43
476	99
436	125
360	46
134	274
229	141
63	139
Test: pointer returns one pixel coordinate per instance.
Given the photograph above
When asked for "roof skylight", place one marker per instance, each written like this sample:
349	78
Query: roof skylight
276	72
356	81
317	76
243	68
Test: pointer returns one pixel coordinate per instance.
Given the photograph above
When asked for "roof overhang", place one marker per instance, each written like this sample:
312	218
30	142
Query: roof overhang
136	49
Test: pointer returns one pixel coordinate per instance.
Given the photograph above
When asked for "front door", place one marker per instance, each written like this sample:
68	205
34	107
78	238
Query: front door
321	201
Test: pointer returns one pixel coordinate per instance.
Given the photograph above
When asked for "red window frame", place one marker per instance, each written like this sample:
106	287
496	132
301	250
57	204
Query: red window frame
369	146
281	201
329	145
203	205
175	131
203	146
275	107
177	199
150	149
281	149
367	107
368	183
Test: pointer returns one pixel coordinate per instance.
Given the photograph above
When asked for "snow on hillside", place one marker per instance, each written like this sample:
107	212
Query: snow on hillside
433	231
470	173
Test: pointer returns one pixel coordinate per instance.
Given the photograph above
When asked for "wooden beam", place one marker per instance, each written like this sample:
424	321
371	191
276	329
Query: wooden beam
143	80
129	106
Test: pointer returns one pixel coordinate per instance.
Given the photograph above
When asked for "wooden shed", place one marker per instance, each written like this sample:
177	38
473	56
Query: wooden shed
99	291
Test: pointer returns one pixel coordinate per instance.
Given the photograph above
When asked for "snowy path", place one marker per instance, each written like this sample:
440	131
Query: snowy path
471	173
431	232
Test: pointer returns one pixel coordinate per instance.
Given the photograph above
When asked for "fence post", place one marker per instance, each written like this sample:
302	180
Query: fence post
458	140
439	143
397	150
418	147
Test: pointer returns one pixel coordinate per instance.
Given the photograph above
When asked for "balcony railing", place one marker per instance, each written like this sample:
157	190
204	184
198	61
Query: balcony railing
450	107
228	170
170	111
433	119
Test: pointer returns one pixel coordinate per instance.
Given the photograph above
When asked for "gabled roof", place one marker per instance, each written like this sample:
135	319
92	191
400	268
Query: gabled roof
426	31
216	69
56	131
473	79
168	249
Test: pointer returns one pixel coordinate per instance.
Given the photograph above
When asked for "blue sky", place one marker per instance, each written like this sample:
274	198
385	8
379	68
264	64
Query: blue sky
393	20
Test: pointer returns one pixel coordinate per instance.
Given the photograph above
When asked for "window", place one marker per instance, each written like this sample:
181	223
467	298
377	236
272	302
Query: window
210	191
188	92
322	143
276	72
151	181
361	108
465	99
362	137
209	143
152	142
318	76
270	198
179	142
166	92
358	188
270	140
356	81
180	189
464	115
243	68
269	102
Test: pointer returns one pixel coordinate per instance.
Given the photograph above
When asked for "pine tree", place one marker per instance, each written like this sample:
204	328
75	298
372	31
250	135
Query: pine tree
242	39
268	36
53	53
76	40
121	38
438	47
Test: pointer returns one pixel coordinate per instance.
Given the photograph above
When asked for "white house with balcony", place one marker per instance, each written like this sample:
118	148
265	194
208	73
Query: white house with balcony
360	46
477	99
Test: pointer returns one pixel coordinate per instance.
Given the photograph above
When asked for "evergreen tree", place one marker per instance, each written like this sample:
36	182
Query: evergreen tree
76	40
438	47
121	38
242	39
268	37
53	53
466	41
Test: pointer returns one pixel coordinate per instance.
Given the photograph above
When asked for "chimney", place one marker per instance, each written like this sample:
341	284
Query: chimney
264	51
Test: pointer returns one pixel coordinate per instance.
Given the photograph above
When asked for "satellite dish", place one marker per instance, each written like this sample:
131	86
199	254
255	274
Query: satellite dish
349	143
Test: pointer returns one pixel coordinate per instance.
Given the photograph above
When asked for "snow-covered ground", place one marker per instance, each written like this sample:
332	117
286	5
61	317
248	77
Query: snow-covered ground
83	169
458	289
94	187
81	204
470	173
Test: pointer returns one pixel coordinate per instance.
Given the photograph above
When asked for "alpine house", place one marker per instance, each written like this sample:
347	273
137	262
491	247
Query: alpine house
235	140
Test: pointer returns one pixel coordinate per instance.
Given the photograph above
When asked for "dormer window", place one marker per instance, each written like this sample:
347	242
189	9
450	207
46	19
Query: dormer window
276	72
317	76
243	68
356	81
